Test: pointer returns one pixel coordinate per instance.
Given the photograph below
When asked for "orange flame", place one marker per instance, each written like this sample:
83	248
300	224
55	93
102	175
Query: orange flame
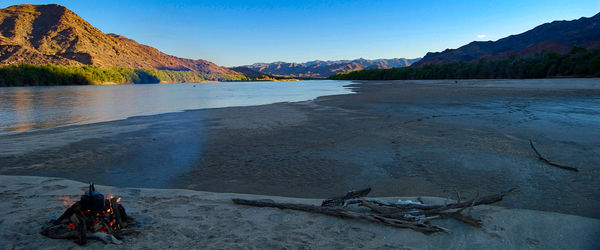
108	215
66	200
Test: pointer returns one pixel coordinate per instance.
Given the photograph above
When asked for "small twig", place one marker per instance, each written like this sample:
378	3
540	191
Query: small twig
542	158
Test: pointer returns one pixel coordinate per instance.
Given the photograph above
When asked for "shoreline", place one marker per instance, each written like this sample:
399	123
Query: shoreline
401	138
175	218
172	99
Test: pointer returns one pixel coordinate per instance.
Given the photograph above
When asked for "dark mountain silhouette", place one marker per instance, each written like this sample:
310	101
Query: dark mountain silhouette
322	69
42	34
251	73
559	36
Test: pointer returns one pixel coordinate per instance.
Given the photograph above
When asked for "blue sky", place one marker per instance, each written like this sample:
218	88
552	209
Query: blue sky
232	33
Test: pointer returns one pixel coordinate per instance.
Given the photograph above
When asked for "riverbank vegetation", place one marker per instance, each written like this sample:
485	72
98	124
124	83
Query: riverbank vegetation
50	74
579	62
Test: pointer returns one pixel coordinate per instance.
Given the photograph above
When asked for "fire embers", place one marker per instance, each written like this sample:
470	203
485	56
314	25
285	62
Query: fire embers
91	217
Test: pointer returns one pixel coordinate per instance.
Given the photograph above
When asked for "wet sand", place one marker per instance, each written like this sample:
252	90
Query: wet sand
403	138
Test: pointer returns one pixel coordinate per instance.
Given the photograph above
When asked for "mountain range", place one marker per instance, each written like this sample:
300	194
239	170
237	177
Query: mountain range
559	36
42	34
322	69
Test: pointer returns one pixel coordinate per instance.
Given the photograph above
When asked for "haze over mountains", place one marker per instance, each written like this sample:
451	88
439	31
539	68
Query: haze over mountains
42	34
321	69
559	36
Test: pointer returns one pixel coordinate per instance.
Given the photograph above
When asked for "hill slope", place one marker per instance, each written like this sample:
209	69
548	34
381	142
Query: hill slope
252	73
327	68
42	34
558	36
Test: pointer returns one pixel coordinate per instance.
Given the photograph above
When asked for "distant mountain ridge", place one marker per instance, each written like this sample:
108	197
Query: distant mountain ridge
42	34
322	69
559	36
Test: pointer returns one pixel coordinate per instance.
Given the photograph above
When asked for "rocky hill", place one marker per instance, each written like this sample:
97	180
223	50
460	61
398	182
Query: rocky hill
252	73
322	69
559	36
42	34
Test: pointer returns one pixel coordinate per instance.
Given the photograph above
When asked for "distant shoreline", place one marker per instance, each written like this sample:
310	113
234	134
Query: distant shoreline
578	63
50	74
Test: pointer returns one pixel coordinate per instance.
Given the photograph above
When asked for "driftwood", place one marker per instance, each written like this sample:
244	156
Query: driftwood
337	201
542	158
412	215
391	207
343	213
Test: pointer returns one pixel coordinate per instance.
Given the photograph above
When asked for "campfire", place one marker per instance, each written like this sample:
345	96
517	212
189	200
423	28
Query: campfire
92	216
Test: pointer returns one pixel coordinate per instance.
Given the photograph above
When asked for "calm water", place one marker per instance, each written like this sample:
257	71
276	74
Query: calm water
29	108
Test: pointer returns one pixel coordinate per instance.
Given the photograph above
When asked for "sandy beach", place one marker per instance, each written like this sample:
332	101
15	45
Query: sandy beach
172	218
403	138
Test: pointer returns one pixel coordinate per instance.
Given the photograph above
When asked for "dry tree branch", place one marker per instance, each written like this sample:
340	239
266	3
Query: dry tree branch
414	216
338	201
339	212
542	158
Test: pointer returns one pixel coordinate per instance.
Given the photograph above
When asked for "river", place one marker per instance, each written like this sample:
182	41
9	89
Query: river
25	109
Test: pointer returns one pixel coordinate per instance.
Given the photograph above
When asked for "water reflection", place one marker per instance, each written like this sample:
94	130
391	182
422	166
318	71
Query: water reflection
24	110
29	108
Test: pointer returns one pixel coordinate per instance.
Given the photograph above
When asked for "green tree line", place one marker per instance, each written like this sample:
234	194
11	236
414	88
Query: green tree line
578	62
50	74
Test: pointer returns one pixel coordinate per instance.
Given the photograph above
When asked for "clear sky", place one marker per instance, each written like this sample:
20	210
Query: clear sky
232	33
